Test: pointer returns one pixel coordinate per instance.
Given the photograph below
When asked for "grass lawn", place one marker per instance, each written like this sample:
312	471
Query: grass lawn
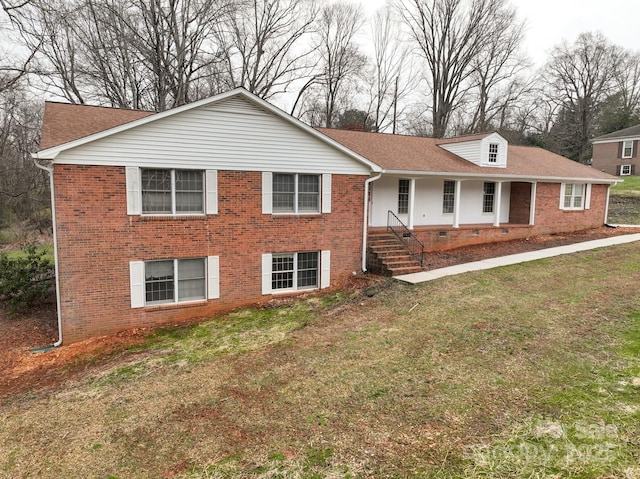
528	371
20	253
629	187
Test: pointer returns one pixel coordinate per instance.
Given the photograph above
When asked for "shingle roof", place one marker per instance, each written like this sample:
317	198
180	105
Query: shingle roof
65	122
624	133
417	154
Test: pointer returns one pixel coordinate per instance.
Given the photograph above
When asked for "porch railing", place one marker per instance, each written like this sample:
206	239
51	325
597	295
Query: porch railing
404	234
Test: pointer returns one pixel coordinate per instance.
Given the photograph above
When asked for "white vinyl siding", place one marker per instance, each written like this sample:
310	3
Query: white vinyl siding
469	150
173	281
232	134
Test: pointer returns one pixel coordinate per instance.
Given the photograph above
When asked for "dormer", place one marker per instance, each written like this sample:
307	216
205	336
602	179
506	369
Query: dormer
488	149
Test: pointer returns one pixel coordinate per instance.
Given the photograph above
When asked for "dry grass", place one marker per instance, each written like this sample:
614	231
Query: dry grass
526	371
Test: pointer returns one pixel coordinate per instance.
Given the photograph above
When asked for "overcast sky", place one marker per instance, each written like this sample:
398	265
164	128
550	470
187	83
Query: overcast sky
551	21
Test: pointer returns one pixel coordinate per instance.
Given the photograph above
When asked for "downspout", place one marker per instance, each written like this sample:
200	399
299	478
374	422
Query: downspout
49	169
366	220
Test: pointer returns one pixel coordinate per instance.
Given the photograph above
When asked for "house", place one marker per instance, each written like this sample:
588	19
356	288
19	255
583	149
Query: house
617	153
228	201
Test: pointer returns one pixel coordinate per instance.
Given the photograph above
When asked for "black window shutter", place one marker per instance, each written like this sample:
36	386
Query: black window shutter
618	170
633	169
620	149
635	149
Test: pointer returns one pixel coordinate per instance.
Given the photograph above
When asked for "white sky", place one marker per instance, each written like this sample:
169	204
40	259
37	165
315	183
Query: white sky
548	22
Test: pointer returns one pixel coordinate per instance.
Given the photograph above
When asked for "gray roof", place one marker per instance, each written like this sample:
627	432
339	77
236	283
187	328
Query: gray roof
624	133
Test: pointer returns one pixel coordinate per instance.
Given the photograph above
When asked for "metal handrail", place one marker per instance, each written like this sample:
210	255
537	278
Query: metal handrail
406	236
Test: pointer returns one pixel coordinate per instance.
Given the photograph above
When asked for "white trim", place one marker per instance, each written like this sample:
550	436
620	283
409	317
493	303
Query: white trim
532	208
134	190
213	277
325	269
616	140
137	284
412	202
497	202
483	176
266	273
587	197
326	193
456	204
624	143
563	191
267	193
211	192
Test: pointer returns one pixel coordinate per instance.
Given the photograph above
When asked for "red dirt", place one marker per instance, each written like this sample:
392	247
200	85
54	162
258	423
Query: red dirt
22	370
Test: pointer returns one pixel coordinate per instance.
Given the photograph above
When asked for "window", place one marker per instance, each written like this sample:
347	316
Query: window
493	152
403	197
294	271
573	196
625	170
163	285
627	148
448	196
294	193
489	197
172	191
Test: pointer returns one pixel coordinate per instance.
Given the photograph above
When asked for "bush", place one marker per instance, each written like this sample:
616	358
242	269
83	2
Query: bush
26	280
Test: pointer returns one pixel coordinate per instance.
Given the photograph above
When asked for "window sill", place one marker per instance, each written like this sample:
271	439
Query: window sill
278	292
166	306
294	215
198	216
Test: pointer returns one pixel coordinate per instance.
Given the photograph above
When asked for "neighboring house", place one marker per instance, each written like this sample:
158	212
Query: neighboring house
617	153
160	218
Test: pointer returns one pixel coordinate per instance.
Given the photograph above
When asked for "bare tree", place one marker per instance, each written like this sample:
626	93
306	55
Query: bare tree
263	44
449	34
340	62
581	75
390	77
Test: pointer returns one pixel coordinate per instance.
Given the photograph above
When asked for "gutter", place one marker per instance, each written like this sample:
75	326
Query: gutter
366	219
49	169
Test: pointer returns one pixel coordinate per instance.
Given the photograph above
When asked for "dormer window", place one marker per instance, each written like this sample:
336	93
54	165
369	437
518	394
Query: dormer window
493	152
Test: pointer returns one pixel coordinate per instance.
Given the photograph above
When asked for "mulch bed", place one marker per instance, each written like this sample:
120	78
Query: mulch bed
23	370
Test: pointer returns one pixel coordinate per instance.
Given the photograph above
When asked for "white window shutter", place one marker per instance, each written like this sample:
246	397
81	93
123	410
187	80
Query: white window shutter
134	195
211	177
266	273
213	277
587	197
136	278
267	193
562	190
325	269
326	193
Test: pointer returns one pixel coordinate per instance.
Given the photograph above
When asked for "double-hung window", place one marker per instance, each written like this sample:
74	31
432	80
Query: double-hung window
573	196
294	271
493	152
488	198
625	170
296	193
627	148
172	191
174	281
448	196
403	196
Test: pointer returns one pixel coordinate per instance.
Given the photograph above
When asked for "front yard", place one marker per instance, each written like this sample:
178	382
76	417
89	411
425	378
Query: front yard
526	371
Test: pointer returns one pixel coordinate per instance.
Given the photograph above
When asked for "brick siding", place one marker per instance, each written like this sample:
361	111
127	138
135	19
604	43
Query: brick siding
605	158
97	240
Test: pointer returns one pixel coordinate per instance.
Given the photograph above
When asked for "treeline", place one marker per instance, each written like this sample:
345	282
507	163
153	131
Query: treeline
427	67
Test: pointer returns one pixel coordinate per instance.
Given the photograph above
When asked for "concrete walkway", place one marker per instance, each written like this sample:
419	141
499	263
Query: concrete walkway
424	276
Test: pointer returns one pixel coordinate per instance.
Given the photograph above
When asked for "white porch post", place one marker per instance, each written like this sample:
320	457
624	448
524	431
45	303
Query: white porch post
412	202
532	209
498	200
456	205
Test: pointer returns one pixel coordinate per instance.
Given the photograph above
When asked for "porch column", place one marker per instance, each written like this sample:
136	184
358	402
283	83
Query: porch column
456	205
532	208
498	200
412	202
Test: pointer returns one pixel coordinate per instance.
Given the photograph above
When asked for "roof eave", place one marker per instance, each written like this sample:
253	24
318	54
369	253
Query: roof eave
451	174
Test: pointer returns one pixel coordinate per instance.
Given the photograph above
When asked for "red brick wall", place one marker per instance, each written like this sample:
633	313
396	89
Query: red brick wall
97	240
606	158
549	219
